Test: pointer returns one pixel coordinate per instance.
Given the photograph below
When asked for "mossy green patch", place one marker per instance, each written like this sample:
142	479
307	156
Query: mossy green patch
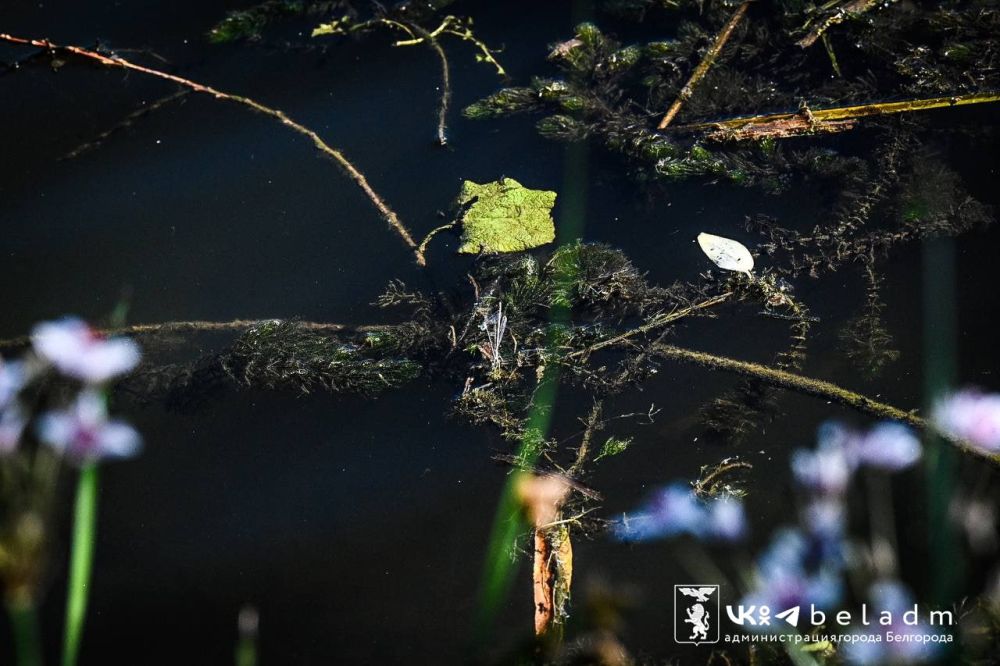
505	216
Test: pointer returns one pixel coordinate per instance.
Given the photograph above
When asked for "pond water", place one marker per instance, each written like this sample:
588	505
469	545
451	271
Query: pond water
356	526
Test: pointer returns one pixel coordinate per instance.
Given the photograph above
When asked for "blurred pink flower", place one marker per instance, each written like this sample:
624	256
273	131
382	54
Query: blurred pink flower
970	416
541	496
77	350
84	433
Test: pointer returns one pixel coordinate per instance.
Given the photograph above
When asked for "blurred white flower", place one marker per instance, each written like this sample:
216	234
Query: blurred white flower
78	351
83	432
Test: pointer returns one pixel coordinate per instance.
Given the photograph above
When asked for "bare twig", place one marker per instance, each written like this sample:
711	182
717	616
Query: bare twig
653	324
442	126
128	121
706	63
838	14
335	154
434	232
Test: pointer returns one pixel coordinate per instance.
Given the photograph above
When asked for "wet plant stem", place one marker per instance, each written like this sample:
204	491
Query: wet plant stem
336	155
81	561
202	326
24	629
706	63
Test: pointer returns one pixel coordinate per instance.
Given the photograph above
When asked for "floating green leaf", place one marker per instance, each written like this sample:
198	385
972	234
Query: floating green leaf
505	216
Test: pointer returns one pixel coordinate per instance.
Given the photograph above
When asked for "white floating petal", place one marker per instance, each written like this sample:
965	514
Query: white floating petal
726	253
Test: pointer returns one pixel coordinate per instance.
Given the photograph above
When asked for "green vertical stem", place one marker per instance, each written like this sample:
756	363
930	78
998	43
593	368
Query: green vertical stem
939	332
81	561
508	523
27	638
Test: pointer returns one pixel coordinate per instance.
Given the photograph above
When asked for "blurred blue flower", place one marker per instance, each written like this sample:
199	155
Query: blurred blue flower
888	446
840	451
971	416
825	517
12	377
675	510
827	470
726	520
83	432
911	644
78	351
795	570
12	417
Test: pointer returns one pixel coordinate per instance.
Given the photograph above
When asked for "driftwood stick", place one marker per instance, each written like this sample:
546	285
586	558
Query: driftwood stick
817	120
706	63
335	154
552	578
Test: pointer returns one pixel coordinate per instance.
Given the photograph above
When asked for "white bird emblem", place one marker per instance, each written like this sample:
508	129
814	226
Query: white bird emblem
699	593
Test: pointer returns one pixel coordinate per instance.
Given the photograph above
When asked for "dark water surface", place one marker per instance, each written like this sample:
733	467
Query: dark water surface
358	527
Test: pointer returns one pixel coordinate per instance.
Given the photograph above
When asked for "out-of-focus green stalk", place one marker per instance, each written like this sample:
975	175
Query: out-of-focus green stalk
246	652
508	522
24	627
81	561
940	294
246	645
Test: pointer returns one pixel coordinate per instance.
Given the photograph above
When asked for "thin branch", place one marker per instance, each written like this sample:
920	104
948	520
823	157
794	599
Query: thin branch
852	9
115	61
706	63
434	232
445	92
653	324
126	122
431	40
